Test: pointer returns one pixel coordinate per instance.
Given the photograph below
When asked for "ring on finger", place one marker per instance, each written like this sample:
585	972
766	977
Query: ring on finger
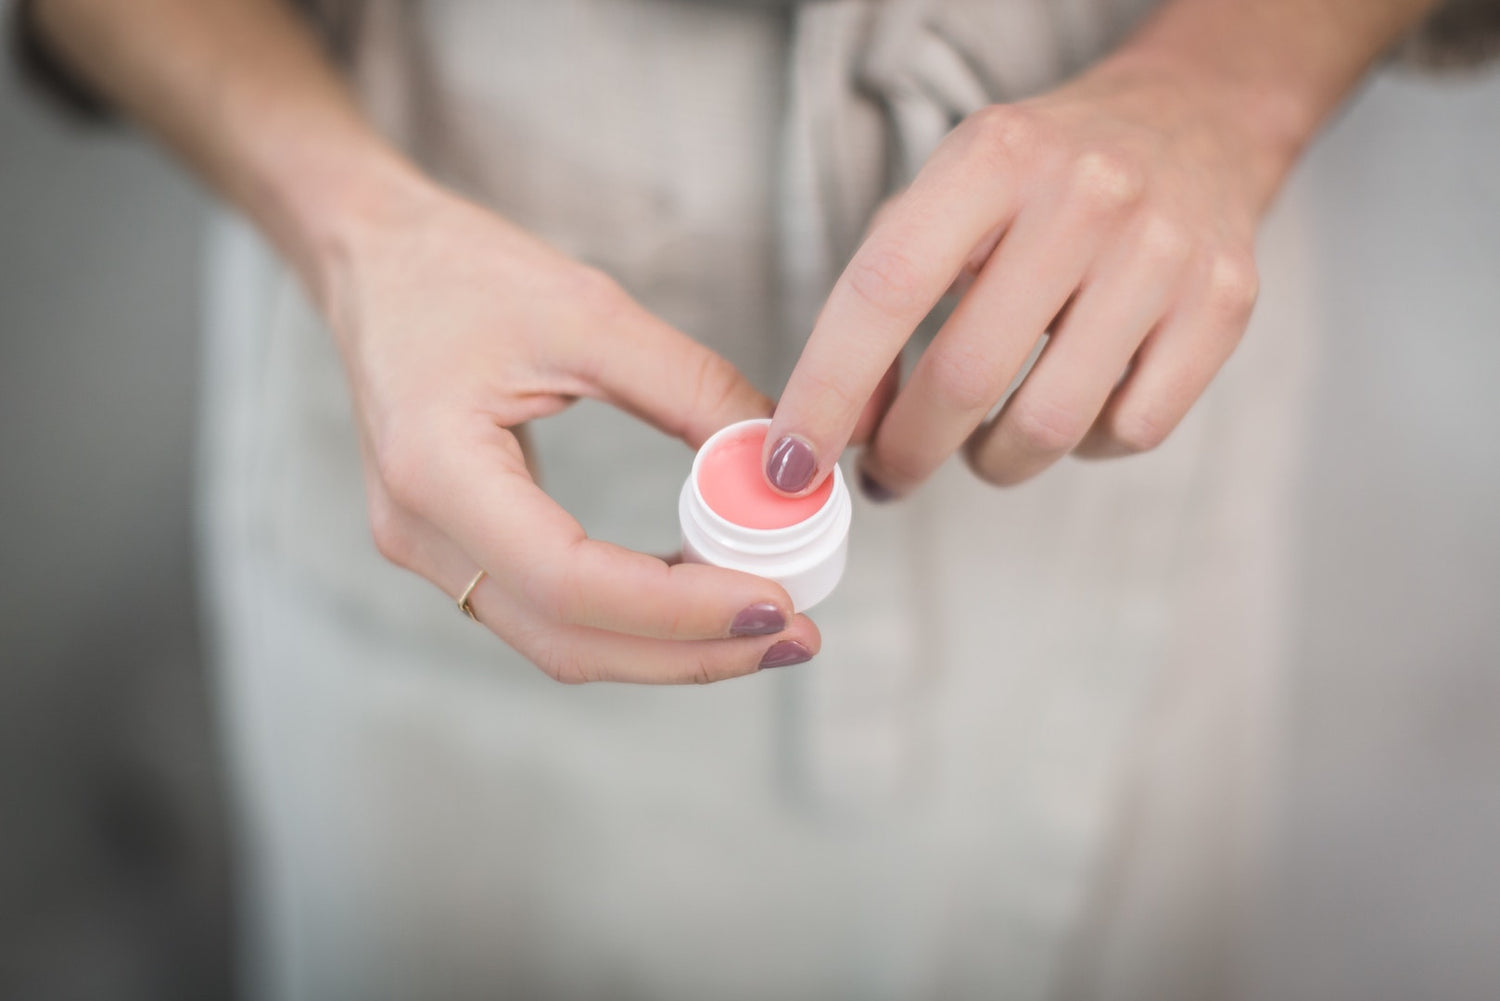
463	599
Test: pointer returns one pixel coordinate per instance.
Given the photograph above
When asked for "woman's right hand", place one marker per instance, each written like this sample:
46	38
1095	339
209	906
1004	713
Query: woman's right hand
455	327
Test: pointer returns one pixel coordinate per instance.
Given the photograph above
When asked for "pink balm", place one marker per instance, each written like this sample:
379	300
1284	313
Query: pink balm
731	518
734	486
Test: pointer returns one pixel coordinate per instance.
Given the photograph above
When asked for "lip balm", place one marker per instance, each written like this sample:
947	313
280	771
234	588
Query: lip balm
732	518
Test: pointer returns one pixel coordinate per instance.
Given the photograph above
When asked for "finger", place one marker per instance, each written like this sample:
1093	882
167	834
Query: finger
975	263
477	493
984	343
1176	363
1064	392
894	279
878	404
654	371
580	653
575	655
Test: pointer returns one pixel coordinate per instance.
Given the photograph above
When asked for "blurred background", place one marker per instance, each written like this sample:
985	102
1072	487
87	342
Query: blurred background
114	880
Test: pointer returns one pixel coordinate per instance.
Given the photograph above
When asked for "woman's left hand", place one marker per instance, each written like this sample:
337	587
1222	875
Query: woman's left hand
1118	211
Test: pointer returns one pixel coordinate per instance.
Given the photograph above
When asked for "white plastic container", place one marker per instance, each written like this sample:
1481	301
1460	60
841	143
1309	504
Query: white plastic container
806	558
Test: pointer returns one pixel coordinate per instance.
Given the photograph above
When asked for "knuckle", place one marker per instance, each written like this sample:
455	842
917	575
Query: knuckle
888	281
991	469
701	670
388	529
400	466
897	469
1138	431
558	661
1106	182
711	667
1046	429
964	379
1004	134
980	463
1233	283
832	396
596	291
715	383
567	669
1164	242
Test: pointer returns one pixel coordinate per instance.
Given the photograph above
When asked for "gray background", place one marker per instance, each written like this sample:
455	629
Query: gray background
112	875
112	833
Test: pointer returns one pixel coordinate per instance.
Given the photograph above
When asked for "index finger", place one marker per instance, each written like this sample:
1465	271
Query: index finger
898	274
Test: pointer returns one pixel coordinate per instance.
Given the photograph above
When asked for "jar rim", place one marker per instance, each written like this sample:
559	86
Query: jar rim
763	536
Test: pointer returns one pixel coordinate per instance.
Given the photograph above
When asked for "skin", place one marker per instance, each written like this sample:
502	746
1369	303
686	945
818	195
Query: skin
1132	193
455	328
1118	212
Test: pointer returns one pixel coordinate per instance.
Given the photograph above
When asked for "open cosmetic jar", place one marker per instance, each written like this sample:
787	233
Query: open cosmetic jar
732	518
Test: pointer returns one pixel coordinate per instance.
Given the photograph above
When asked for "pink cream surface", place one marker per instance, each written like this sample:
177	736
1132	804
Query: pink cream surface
733	485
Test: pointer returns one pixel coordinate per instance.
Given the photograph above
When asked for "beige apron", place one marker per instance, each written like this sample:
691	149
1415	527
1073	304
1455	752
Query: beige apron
1027	763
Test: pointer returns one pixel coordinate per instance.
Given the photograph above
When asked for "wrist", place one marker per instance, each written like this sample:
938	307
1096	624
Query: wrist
1271	71
1260	125
334	215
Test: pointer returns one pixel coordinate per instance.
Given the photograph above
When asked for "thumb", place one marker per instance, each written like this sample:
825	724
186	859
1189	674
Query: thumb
659	374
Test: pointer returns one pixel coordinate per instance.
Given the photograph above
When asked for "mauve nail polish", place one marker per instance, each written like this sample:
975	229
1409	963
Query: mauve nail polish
873	489
785	654
758	620
792	465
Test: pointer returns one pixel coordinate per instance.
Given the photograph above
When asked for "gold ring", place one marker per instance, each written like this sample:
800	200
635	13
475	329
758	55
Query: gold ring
463	599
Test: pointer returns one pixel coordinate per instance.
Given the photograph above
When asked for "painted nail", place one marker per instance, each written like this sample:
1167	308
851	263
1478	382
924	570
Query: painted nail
785	654
873	489
758	620
792	465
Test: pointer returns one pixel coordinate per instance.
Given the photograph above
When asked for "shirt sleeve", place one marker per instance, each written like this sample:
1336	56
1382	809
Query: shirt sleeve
41	68
1457	35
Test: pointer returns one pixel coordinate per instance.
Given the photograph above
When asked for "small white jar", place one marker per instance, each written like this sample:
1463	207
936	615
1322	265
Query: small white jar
806	558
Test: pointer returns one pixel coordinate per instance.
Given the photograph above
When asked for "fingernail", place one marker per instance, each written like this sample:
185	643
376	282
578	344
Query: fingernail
874	490
758	620
792	465
785	654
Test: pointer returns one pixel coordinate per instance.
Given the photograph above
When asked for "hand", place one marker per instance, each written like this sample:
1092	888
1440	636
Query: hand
1119	212
455	328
